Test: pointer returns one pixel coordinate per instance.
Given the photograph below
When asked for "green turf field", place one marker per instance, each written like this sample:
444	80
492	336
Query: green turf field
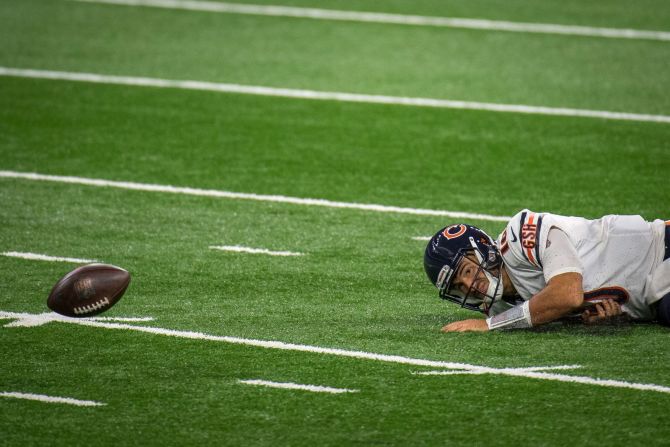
359	284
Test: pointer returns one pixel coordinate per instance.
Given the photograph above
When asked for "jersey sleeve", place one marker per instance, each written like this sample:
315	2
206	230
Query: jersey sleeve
524	241
525	245
559	255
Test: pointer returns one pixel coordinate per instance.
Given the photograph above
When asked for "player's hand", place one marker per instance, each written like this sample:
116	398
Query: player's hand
602	311
466	326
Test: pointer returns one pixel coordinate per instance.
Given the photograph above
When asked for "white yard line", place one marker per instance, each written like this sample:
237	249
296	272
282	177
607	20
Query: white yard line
297	386
51	399
246	196
39	257
527	372
328	96
262	251
398	19
421	238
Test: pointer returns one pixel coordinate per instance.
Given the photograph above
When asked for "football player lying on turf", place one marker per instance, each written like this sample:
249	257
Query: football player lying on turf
544	267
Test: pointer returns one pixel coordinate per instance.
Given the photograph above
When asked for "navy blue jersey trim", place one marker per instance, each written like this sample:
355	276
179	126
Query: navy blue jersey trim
537	240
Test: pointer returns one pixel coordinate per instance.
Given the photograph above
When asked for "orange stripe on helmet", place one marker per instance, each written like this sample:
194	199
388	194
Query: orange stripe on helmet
449	234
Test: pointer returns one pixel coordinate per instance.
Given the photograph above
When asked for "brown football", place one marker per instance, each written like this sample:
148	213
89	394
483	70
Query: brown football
88	290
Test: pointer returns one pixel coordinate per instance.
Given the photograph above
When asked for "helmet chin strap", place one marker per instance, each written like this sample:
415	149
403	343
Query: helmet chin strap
495	289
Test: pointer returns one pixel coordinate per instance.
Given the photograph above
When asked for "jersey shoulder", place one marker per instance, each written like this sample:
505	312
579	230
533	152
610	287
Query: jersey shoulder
521	239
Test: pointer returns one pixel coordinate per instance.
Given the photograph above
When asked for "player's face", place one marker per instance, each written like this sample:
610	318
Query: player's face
470	279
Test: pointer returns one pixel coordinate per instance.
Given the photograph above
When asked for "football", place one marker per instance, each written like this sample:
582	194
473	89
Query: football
88	290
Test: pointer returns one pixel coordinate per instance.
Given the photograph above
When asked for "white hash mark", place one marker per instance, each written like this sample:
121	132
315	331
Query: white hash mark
262	251
40	257
297	386
51	399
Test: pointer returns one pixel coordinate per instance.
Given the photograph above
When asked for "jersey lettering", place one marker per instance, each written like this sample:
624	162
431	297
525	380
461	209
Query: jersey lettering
528	233
529	238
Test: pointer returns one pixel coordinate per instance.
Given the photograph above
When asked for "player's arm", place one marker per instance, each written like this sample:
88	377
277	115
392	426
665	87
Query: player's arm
563	293
561	296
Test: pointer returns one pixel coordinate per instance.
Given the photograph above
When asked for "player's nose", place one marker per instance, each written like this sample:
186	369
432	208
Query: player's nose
465	284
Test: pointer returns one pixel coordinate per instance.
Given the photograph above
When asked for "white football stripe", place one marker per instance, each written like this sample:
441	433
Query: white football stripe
528	372
398	19
421	238
52	399
297	386
329	96
263	251
39	257
246	196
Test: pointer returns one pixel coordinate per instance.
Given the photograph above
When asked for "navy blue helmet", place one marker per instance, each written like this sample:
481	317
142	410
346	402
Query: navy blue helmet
443	258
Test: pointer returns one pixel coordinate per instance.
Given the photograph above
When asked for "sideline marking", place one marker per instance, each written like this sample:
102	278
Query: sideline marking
297	386
398	19
421	238
52	399
246	196
39	257
263	251
329	96
528	372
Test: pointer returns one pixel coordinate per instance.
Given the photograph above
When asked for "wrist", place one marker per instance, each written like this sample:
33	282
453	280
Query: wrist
517	317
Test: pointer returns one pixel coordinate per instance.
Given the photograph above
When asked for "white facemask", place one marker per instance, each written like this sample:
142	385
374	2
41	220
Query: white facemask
495	288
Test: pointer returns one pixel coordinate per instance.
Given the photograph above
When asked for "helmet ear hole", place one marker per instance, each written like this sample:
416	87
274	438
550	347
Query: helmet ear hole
493	258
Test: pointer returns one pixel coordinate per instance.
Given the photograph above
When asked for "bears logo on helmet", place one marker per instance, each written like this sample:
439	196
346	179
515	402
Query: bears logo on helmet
445	253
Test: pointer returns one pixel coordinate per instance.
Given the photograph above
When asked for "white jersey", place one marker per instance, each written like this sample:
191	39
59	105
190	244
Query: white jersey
618	256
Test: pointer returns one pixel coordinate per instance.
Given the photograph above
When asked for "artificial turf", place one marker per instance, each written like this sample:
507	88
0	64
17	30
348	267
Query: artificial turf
360	285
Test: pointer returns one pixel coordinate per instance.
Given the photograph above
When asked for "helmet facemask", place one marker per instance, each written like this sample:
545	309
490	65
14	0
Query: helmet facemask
473	299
